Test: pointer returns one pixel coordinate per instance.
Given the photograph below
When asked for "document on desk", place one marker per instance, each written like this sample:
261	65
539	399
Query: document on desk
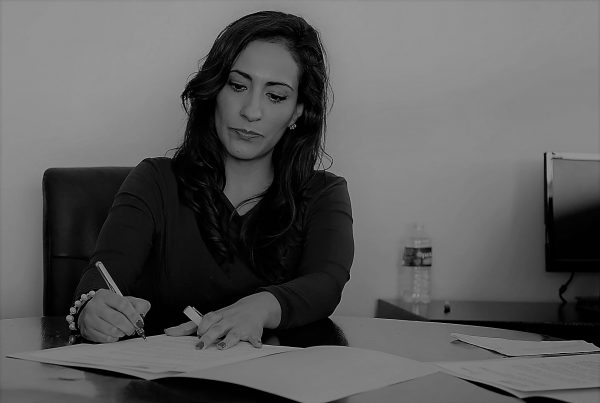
320	374
532	374
518	348
570	395
309	375
159	356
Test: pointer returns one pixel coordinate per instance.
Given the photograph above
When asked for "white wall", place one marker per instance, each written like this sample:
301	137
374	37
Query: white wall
442	112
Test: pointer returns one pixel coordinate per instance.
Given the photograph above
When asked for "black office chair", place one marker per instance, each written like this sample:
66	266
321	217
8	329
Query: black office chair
76	203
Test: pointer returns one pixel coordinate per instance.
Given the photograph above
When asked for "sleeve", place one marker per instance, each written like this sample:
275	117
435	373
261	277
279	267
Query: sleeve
127	235
327	255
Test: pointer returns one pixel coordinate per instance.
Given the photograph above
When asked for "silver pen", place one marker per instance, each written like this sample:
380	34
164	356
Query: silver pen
113	287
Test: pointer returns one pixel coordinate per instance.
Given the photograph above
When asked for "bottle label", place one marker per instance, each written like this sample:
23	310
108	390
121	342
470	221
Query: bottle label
417	257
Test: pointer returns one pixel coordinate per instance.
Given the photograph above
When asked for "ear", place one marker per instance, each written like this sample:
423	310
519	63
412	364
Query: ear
297	113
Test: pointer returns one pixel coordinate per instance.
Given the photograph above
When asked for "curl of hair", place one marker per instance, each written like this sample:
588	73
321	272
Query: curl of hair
272	227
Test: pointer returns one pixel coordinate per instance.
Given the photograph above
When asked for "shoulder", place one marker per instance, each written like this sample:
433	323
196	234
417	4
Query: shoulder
155	165
151	174
324	181
150	184
326	189
157	168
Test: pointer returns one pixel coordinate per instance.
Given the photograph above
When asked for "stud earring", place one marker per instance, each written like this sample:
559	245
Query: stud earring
292	126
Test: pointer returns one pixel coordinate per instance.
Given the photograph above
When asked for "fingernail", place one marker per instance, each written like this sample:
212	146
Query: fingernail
200	346
139	324
221	345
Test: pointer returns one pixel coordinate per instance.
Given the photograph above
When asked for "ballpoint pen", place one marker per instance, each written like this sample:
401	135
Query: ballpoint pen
113	287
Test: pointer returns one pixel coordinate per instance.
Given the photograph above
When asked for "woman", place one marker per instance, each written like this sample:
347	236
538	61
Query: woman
239	223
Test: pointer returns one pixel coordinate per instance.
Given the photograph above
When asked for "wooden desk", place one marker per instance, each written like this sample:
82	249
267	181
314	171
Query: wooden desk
26	381
547	318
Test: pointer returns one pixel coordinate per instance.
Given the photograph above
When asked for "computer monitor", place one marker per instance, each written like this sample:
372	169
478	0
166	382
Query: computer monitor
572	212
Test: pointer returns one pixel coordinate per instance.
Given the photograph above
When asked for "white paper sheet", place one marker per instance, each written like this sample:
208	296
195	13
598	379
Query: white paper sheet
517	348
308	375
319	374
159	355
570	396
532	374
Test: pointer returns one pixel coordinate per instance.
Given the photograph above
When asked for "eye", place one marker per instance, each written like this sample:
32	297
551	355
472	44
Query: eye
237	87
276	98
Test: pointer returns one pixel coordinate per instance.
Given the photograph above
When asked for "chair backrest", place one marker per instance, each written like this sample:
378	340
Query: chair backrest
76	203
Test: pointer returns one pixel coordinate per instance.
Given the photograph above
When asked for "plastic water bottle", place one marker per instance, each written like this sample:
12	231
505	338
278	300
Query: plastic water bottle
417	256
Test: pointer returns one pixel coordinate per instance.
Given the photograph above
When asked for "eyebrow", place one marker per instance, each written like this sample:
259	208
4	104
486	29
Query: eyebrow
247	76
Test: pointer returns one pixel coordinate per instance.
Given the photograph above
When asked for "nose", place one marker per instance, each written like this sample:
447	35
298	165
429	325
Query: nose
252	109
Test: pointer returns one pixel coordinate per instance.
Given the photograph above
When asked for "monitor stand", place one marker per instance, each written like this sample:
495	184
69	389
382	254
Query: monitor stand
588	303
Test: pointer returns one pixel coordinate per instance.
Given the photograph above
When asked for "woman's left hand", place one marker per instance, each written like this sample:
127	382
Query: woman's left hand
241	321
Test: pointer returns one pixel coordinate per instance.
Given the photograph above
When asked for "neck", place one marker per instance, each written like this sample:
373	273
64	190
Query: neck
245	179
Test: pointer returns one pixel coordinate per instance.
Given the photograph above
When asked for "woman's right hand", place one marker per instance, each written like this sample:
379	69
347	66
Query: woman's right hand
107	317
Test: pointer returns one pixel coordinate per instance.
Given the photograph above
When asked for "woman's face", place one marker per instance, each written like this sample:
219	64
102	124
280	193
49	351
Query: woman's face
258	102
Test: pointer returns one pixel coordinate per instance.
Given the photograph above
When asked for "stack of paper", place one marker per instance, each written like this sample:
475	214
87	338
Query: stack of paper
563	370
571	378
518	348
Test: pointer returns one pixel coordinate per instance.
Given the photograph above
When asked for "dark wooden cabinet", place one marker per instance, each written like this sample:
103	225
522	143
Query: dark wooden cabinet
565	321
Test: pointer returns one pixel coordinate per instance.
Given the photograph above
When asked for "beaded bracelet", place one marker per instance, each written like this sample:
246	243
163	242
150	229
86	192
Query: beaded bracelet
74	310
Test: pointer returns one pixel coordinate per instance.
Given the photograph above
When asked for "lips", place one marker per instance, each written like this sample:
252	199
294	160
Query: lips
246	133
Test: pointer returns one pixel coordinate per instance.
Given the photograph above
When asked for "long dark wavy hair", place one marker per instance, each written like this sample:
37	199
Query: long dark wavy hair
272	227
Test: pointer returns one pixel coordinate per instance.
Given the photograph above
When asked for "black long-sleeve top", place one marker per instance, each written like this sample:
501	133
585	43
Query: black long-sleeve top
152	247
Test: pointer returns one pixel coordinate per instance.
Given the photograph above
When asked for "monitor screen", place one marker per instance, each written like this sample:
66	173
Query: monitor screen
572	212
